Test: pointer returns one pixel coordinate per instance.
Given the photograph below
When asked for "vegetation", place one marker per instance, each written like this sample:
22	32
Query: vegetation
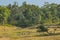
41	28
19	22
28	15
17	33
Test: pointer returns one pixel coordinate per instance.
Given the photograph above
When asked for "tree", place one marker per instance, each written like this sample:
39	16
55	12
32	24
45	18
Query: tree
4	13
27	15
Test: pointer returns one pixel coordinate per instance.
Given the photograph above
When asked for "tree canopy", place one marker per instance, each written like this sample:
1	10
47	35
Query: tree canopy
27	15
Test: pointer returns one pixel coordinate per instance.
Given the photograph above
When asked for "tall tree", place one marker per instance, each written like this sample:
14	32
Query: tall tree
4	13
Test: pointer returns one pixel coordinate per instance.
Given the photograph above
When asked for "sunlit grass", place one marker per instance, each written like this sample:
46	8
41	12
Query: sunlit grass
14	33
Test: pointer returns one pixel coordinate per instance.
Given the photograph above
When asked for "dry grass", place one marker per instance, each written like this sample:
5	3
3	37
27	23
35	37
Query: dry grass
57	37
16	33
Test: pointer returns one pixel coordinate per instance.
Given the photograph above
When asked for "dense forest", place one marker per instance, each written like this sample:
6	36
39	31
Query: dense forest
28	15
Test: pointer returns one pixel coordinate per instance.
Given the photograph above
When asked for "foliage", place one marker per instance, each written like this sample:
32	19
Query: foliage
4	14
42	28
27	15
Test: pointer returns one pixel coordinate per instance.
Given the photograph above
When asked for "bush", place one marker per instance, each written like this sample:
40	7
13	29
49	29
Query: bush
42	28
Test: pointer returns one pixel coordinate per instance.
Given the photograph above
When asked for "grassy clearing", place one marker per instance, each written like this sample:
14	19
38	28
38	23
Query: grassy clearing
16	33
